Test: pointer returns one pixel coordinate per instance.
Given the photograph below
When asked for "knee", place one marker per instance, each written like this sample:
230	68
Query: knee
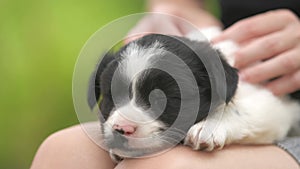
61	142
69	148
172	159
57	147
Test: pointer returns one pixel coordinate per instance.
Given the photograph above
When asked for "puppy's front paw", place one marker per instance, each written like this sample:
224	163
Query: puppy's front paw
204	136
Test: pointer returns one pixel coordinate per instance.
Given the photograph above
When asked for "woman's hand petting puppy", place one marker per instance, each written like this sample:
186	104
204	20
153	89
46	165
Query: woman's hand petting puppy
270	42
270	49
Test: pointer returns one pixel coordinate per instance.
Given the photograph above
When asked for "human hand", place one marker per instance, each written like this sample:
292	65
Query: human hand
269	49
171	18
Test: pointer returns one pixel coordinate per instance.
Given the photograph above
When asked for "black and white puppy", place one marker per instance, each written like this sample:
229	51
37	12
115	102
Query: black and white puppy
250	113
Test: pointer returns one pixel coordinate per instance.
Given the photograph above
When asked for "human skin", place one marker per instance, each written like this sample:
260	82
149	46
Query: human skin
71	148
271	39
189	10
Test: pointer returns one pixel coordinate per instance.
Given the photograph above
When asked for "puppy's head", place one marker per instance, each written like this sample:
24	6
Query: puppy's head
140	95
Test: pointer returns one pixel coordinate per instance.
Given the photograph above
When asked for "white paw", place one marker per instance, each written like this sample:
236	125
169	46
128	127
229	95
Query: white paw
206	136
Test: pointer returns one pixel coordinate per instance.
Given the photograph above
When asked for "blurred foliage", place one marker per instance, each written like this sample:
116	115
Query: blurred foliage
39	43
214	7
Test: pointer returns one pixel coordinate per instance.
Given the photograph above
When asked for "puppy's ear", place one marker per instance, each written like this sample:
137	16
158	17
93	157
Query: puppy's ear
231	75
94	90
206	52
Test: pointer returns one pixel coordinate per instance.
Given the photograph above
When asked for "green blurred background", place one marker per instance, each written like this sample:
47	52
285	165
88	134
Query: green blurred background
39	43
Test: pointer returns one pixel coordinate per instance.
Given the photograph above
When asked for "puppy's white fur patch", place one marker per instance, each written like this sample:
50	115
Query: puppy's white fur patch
137	58
130	113
254	116
227	47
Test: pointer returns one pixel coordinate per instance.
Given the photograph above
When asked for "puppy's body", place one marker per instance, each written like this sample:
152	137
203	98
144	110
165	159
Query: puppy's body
253	116
140	102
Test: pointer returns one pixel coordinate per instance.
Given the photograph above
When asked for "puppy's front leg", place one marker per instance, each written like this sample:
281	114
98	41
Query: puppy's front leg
199	138
217	130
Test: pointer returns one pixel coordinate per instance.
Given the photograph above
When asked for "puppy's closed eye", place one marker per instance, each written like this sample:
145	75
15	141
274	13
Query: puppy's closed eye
151	103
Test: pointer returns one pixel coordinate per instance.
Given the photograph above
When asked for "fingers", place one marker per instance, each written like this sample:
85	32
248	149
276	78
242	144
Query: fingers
257	26
265	47
286	62
285	84
270	47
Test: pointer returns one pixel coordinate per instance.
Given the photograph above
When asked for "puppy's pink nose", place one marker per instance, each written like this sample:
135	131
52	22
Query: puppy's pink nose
124	129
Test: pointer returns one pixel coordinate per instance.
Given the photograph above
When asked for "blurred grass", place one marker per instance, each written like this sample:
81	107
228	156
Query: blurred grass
39	43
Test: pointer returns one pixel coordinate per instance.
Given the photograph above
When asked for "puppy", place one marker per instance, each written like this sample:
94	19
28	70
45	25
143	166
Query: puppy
161	90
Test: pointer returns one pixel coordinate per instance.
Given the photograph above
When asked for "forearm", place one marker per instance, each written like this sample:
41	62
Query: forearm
234	157
153	4
191	10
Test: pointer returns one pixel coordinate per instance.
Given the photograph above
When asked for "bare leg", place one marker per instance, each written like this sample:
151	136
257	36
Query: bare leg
71	149
233	157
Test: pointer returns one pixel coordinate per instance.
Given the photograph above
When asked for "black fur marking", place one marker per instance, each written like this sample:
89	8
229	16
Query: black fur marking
94	84
156	79
296	95
180	47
